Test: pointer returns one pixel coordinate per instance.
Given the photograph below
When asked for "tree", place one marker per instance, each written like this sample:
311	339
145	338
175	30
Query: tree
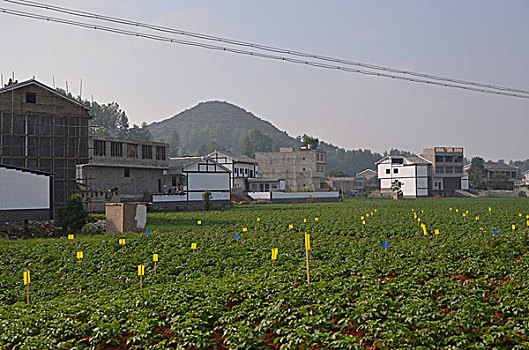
72	216
499	181
309	142
256	141
335	172
139	132
477	173
396	187
174	144
206	196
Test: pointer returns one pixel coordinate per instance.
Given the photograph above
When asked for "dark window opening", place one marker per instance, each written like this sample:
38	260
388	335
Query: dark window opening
31	97
388	171
395	171
127	172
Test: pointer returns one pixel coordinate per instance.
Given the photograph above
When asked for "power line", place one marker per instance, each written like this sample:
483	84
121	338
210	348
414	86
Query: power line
114	30
255	46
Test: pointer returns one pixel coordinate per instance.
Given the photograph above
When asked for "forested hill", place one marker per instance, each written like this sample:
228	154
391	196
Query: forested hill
223	126
216	123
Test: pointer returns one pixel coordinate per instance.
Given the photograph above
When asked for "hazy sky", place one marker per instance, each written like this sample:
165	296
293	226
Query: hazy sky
484	41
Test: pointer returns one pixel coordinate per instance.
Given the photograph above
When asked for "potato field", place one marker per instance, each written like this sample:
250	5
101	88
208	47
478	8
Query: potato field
378	280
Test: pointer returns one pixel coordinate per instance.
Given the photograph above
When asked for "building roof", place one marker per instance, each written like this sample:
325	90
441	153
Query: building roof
497	166
236	157
179	163
367	172
410	160
26	170
42	86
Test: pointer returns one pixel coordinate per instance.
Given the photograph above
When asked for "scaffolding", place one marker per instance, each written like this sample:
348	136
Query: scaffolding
44	130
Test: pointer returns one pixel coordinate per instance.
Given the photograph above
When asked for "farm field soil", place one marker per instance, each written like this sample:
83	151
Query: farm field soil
462	285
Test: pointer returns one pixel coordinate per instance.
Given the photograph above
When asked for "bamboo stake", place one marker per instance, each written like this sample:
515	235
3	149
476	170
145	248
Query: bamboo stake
308	269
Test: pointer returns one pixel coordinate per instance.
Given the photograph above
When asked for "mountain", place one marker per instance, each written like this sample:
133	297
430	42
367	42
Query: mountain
221	125
216	123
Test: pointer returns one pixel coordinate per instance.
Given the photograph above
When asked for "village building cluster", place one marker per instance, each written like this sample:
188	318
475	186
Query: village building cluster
47	153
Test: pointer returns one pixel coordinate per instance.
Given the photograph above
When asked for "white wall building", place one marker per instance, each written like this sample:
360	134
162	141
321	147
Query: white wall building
241	167
413	172
190	177
25	194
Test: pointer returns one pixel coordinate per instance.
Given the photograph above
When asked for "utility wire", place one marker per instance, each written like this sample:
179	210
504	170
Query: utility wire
258	54
256	46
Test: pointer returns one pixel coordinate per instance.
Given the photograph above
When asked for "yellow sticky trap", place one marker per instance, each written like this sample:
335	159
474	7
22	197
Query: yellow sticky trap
122	241
318	219
414	215
477	218
193	246
244	229
412	209
422	211
361	218
371	213
199	222
375	210
423	226
464	214
363	222
141	270
155	257
70	237
367	215
290	226
450	209
481	228
304	220
513	227
80	255
520	214
307	241
457	210
527	216
490	209
418	219
527	223
258	219
436	231
274	253
27	277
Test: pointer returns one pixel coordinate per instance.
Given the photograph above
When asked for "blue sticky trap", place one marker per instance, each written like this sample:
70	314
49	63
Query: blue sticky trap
236	236
385	245
148	232
495	231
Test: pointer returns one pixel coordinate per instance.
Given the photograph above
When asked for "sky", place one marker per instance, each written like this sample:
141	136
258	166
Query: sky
479	40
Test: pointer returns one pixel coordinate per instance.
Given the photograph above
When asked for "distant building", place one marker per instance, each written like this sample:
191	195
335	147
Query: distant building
25	194
303	170
363	183
413	172
511	171
190	177
44	130
242	169
367	174
133	167
525	176
447	168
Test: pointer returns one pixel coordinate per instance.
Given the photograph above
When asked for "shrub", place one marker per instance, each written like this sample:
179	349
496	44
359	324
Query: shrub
72	216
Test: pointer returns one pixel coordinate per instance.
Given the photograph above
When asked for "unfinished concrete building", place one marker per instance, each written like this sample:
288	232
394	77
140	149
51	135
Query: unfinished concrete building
447	167
44	130
303	170
132	167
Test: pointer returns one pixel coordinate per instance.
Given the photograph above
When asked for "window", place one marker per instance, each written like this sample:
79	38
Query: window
303	169
116	149
31	97
146	152
132	150
304	158
99	148
395	171
251	173
388	171
439	170
245	171
397	161
160	153
126	172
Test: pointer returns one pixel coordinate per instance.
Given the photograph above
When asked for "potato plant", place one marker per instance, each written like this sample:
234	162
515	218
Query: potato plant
466	287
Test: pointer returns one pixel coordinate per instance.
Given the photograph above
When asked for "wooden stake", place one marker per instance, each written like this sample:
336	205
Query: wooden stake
141	281
155	268
27	291
308	270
